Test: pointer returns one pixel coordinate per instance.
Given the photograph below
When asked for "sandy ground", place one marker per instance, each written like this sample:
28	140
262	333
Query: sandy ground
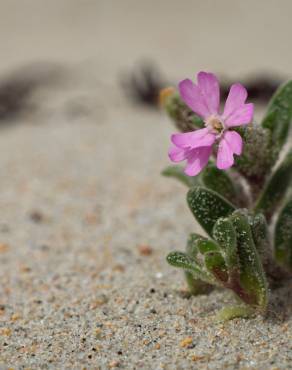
87	220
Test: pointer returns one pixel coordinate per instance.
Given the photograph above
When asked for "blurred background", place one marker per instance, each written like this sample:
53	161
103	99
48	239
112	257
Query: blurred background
101	41
231	37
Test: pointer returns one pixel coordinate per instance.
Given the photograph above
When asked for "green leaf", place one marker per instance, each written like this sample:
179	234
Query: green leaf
261	237
260	233
182	260
276	188
258	155
219	181
177	172
283	236
252	276
207	245
231	312
215	263
207	206
224	233
279	114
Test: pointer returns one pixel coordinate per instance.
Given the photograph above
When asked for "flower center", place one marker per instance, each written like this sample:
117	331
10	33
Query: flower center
215	124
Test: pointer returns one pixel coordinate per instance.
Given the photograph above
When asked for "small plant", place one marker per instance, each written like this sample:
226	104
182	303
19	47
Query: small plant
240	191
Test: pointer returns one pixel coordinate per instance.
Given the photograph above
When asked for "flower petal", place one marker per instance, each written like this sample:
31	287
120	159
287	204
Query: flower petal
192	96
234	141
225	155
209	86
197	160
177	154
241	116
194	139
236	98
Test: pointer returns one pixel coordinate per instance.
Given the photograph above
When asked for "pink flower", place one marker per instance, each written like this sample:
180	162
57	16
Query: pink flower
204	98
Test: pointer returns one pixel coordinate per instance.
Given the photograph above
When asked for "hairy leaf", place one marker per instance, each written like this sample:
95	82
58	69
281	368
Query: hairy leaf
276	188
224	233
182	260
258	155
252	276
279	114
215	263
207	206
219	181
283	236
207	245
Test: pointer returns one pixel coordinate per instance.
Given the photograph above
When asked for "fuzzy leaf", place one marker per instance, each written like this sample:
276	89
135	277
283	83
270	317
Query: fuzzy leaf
207	206
219	181
279	114
215	263
261	237
207	245
182	260
177	172
260	233
252	276
257	145
231	312
276	188
225	234
283	236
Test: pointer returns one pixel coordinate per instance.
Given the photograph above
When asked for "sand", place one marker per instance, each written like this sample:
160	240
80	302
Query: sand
87	220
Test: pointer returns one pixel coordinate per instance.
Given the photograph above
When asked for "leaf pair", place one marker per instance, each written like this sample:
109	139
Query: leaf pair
230	259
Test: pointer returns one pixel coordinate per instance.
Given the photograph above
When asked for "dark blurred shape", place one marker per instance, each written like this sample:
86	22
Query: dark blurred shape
36	216
263	87
260	87
17	87
144	83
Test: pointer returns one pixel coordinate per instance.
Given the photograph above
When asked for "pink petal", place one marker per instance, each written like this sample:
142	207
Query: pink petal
225	155
241	116
234	141
236	98
192	96
177	154
194	139
209	85
197	160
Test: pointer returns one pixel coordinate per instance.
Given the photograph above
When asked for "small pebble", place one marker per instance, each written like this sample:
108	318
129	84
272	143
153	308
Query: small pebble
5	332
145	250
114	364
186	342
197	358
